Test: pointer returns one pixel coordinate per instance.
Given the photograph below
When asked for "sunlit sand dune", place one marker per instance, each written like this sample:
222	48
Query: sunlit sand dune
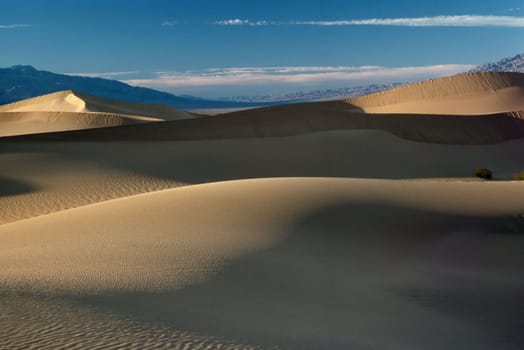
21	123
69	110
72	101
463	94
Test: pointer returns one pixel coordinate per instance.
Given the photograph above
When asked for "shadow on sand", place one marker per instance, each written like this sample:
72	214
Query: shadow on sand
297	119
359	276
11	187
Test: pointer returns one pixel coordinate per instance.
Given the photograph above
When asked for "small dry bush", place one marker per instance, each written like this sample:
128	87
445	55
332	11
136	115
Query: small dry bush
484	173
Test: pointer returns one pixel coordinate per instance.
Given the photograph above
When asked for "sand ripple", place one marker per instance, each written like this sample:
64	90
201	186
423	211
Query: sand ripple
42	322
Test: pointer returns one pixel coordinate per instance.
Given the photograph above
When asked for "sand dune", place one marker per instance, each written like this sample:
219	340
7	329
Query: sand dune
241	217
308	118
69	110
22	123
72	101
52	176
296	263
464	94
336	225
477	108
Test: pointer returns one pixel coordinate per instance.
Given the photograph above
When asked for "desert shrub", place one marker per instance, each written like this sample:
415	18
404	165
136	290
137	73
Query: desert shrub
519	176
484	173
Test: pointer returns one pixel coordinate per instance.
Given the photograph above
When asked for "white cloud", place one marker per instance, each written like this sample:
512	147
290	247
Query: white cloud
169	23
233	22
244	22
14	26
106	75
436	21
271	76
232	81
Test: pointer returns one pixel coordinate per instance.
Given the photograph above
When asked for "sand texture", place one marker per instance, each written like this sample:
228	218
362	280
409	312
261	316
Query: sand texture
334	225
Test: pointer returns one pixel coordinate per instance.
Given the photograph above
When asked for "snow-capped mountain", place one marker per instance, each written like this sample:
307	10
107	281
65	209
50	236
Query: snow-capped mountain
511	64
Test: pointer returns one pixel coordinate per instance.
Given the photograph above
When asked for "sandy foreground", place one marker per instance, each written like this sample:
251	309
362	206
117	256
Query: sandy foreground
313	226
289	262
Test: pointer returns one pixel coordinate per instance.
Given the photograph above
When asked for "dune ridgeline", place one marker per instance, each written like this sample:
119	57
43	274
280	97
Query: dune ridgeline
70	110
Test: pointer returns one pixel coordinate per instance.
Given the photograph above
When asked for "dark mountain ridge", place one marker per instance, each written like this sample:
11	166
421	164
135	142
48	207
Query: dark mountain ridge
21	82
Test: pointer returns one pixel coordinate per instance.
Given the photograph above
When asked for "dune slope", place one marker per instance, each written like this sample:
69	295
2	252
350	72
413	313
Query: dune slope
72	101
464	94
69	110
308	118
297	263
23	123
51	176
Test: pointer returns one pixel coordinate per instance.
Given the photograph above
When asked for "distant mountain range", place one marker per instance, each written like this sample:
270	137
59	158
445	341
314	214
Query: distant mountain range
512	64
22	82
314	95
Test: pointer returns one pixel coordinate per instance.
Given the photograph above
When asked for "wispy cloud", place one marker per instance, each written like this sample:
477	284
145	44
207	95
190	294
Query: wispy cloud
169	23
14	26
244	22
218	82
436	21
106	75
294	75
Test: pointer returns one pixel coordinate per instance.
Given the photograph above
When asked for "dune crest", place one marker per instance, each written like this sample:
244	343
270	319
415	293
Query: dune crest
72	101
464	94
62	101
70	110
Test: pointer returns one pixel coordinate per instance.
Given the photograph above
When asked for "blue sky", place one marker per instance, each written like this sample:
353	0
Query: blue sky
215	48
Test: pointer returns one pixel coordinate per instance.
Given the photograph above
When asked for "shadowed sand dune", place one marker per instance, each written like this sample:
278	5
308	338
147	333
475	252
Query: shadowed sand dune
298	263
307	118
69	110
463	94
